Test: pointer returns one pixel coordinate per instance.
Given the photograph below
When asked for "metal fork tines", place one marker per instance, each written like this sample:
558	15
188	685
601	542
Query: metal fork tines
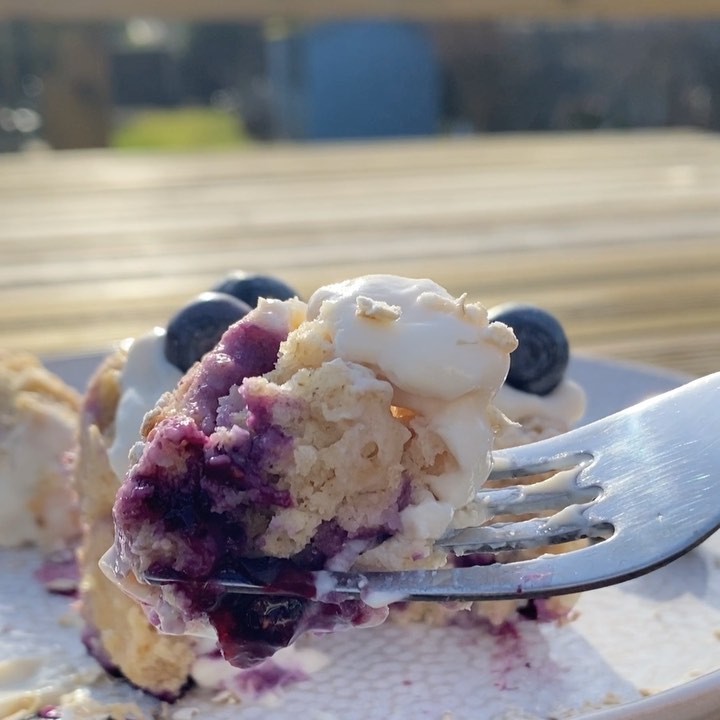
560	493
642	483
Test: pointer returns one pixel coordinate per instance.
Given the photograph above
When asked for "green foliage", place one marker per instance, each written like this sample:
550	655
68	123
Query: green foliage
180	129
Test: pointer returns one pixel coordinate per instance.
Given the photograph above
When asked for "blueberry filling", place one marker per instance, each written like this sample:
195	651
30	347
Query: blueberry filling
208	484
247	351
249	628
474	560
328	541
252	628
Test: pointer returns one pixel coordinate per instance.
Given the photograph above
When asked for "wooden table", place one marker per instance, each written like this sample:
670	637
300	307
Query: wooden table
618	234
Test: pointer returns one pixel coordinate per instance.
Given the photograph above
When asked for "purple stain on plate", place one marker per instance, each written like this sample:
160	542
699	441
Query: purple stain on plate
60	574
509	654
49	712
265	678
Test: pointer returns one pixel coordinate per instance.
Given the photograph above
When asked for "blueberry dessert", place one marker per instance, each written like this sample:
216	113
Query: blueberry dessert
346	433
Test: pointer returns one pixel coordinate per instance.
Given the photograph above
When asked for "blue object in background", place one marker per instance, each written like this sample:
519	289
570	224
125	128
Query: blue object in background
354	80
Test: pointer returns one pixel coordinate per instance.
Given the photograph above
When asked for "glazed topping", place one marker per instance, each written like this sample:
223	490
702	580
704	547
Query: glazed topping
565	405
196	328
541	359
146	376
415	334
250	288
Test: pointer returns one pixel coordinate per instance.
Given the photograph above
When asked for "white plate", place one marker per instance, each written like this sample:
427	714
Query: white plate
648	649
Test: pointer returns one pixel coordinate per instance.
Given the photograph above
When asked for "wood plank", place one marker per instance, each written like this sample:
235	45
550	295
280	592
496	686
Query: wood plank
186	10
617	233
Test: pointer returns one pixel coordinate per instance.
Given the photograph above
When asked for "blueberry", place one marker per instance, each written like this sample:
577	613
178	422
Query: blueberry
196	328
539	363
252	628
274	619
249	288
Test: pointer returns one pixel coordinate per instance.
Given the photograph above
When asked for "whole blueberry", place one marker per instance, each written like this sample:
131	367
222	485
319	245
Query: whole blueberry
249	288
274	619
539	363
196	328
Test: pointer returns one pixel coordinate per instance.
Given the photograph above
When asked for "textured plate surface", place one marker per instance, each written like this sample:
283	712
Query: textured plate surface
649	648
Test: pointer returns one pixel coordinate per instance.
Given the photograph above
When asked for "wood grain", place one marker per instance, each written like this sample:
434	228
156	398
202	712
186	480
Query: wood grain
617	233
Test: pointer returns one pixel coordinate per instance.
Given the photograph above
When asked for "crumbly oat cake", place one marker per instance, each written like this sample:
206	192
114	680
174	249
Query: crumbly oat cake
117	632
38	419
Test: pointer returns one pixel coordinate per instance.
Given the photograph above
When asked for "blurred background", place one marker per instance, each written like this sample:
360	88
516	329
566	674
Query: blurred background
558	152
84	77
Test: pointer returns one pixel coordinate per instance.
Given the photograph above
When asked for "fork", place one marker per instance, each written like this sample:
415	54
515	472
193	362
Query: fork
641	486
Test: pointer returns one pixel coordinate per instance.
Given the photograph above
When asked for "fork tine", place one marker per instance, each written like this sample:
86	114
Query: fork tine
325	583
523	461
235	583
526	534
555	493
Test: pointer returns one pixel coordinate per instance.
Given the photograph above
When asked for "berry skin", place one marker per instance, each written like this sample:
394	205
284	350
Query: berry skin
274	619
196	328
541	359
249	288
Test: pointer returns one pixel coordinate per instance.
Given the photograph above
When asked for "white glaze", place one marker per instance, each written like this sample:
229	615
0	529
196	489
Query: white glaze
420	338
565	403
147	375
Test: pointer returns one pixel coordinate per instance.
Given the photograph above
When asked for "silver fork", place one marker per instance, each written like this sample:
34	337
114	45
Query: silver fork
642	485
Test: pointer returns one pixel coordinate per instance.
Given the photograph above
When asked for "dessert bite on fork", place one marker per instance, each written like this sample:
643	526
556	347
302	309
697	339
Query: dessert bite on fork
350	435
